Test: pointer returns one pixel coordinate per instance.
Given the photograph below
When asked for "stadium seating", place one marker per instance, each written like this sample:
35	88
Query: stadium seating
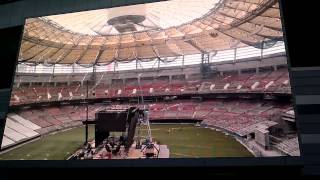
35	116
289	146
216	113
18	130
269	81
6	142
23	121
239	117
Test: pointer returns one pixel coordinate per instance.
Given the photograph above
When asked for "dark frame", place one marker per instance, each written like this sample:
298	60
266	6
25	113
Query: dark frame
232	162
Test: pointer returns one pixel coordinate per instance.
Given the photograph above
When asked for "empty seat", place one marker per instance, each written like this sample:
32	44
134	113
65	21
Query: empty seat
14	135
20	128
6	142
24	122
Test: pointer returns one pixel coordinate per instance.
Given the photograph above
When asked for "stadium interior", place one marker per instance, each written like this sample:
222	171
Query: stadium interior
217	65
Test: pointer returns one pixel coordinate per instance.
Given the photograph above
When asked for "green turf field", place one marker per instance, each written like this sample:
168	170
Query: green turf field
182	140
57	146
190	141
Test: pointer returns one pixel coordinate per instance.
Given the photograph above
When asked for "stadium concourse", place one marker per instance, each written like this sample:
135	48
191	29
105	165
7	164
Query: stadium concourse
223	66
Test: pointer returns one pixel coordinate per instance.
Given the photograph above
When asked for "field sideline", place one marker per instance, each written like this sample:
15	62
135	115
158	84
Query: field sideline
183	141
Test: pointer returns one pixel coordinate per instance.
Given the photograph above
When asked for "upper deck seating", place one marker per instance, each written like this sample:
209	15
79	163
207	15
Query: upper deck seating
266	81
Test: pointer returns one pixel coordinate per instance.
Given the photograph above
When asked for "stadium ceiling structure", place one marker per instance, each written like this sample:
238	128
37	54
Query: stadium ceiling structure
149	31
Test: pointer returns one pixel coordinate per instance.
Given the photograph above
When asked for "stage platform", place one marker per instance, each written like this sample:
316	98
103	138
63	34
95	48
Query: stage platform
132	154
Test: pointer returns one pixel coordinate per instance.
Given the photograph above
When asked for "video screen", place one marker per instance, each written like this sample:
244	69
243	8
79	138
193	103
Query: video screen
172	79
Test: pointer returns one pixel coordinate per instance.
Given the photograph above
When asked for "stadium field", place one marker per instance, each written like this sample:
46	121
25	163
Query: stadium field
56	146
190	141
184	141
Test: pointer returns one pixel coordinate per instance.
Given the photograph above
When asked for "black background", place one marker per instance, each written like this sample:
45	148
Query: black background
302	34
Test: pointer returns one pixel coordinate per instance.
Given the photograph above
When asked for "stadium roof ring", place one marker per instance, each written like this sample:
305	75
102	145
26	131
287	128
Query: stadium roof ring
150	31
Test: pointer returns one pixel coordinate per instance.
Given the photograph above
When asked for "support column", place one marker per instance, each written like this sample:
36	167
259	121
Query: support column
54	66
235	55
182	61
87	113
93	74
136	64
261	52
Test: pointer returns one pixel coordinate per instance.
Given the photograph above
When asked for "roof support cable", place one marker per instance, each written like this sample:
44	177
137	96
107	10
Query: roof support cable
98	82
84	51
45	61
84	77
251	15
256	32
144	107
53	69
154	64
38	46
